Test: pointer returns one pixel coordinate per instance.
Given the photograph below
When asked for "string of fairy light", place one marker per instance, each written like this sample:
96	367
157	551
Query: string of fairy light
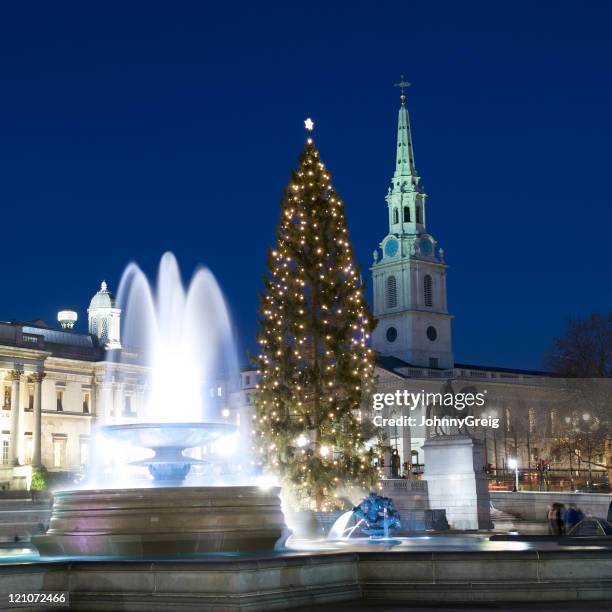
314	363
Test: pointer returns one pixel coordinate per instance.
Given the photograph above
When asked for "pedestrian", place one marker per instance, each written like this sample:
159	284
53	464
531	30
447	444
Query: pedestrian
395	464
555	519
572	517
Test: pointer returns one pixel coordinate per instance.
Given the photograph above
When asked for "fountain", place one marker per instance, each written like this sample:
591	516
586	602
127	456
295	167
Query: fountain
184	339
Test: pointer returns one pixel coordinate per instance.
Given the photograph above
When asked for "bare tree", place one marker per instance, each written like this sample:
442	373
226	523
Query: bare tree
583	356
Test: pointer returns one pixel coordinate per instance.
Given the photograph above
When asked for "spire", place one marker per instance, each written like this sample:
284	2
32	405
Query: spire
404	166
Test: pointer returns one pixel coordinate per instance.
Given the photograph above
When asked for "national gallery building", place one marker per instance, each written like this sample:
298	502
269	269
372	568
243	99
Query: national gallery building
56	384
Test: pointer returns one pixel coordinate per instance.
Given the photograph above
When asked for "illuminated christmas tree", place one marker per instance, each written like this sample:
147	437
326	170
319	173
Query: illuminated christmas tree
315	365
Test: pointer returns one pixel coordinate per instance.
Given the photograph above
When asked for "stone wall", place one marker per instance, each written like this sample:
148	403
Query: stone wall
282	582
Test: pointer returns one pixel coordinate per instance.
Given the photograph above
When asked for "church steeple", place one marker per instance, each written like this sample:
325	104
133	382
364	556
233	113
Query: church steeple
404	168
410	279
405	199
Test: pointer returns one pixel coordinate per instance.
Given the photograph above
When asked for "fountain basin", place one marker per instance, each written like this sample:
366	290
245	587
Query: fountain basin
163	521
168	466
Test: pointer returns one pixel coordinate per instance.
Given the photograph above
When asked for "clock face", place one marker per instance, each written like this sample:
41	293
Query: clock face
391	248
425	246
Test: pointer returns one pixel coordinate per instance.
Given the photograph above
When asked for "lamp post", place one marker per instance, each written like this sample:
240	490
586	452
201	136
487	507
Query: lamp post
513	465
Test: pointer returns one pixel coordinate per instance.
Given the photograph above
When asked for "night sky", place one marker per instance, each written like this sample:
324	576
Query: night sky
132	128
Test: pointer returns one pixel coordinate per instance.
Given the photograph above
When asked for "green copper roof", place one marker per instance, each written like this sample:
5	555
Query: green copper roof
404	166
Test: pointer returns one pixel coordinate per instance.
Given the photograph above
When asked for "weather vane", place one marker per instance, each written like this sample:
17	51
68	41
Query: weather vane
309	124
402	85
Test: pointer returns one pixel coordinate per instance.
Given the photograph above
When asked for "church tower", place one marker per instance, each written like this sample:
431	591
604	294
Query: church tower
104	318
409	280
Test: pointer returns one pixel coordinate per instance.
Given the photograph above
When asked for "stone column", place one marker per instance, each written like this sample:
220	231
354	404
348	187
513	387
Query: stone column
36	433
15	376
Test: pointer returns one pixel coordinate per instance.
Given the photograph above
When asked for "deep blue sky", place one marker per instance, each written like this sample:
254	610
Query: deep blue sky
131	128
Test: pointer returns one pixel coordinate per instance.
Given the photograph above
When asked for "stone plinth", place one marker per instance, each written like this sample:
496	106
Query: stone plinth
457	482
163	521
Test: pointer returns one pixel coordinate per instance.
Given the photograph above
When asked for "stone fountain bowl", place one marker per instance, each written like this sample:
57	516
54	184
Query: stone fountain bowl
168	465
161	522
168	435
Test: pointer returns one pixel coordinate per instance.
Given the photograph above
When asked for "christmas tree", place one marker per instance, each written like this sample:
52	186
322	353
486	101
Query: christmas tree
315	366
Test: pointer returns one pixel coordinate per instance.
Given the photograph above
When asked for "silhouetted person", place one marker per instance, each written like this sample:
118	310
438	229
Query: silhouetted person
555	519
572	517
395	464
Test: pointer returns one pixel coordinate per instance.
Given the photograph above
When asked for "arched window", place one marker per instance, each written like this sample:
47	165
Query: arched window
419	214
428	290
391	292
104	330
395	216
406	214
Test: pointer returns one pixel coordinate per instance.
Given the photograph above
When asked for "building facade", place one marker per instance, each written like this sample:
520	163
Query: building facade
57	384
413	340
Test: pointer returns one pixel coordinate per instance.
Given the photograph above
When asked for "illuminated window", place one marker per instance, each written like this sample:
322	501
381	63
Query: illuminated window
59	451
5	451
84	451
29	448
428	290
391	292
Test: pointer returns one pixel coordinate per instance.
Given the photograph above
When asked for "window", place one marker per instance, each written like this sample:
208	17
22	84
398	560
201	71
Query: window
59	451
59	396
395	216
127	405
419	214
30	407
433	362
432	333
406	214
247	380
86	398
428	290
29	448
84	451
6	405
5	451
391	292
219	391
104	333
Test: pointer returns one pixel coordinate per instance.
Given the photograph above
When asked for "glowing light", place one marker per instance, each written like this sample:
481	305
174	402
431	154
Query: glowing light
302	440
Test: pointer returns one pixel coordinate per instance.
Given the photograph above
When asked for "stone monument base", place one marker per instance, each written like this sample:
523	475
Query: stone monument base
163	521
457	482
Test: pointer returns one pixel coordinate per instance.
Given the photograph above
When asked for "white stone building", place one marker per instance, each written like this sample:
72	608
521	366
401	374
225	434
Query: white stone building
56	384
413	340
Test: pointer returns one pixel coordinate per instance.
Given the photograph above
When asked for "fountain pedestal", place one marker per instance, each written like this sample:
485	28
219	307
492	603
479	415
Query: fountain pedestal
163	521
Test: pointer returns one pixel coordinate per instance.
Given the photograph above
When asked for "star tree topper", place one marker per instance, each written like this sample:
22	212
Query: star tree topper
309	124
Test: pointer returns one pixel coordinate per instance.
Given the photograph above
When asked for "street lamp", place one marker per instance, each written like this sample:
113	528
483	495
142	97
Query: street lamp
513	465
